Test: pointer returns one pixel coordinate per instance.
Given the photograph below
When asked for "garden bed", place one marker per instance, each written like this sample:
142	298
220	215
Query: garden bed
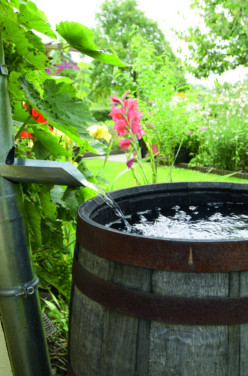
213	170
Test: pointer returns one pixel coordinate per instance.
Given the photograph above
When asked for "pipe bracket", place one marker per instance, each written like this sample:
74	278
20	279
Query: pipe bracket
20	291
3	70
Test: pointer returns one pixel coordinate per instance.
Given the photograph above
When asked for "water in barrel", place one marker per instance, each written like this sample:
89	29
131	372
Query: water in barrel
214	220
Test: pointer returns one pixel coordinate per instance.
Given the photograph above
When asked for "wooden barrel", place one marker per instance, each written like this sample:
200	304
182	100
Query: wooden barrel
158	307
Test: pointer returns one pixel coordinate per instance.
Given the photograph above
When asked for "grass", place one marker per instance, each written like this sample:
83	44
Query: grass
120	177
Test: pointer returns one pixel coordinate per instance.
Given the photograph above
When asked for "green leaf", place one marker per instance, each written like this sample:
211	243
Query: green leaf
60	107
35	19
50	142
77	35
22	40
57	194
97	147
82	39
88	193
73	199
71	202
40	151
47	205
34	220
14	3
52	233
14	86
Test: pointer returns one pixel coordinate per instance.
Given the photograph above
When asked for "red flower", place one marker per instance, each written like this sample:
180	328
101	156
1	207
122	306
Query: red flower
26	134
37	116
125	143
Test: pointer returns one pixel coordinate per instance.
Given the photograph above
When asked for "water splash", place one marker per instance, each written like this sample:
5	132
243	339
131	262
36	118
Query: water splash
213	221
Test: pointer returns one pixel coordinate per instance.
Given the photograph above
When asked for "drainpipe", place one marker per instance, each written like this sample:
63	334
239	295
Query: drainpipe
19	301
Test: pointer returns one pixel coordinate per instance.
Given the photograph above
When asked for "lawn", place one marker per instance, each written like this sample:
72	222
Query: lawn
120	177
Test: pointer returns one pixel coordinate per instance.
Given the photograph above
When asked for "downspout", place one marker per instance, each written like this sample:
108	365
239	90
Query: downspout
19	301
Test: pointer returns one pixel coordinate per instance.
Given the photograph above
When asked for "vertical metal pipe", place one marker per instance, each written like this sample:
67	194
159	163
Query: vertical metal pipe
19	301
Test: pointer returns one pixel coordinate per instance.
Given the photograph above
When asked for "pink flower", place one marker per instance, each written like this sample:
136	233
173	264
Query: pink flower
114	99
126	94
126	117
125	143
137	129
203	129
190	133
130	162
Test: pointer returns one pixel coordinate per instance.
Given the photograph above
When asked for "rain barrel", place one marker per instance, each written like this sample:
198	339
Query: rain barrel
143	306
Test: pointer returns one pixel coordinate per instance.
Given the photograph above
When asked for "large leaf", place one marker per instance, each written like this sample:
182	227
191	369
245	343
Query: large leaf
33	18
50	143
82	39
56	194
48	206
60	107
26	45
73	198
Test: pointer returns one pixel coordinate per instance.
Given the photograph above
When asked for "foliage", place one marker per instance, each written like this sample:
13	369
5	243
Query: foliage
51	117
223	43
223	135
165	117
121	22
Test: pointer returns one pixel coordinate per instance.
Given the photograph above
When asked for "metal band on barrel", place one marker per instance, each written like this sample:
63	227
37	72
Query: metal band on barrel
155	307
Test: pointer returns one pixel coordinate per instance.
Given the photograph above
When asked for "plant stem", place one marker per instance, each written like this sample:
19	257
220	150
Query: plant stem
17	135
138	159
106	158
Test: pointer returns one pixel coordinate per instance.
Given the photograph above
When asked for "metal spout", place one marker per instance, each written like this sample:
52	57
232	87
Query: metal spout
45	172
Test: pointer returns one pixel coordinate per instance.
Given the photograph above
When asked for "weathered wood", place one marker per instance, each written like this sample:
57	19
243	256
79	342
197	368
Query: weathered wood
233	368
104	342
244	329
184	350
110	336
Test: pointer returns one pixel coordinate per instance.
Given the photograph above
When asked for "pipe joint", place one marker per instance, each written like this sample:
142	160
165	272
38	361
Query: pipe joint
24	290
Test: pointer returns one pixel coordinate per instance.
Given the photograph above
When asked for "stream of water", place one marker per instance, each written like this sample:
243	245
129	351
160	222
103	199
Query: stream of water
111	203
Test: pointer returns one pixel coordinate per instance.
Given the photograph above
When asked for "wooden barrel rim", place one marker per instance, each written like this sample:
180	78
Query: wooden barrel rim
161	254
168	309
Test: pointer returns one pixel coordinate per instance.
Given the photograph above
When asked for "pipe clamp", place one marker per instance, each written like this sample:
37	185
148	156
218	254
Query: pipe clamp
3	70
19	291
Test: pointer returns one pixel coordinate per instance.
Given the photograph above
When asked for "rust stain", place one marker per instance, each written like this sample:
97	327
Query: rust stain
190	260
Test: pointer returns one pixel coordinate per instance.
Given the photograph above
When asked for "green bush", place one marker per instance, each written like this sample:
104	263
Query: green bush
223	134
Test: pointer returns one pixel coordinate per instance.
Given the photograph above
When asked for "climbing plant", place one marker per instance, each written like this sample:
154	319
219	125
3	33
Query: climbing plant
50	120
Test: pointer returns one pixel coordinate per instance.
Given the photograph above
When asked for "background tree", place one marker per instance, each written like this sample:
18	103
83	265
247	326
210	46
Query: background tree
120	22
223	44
